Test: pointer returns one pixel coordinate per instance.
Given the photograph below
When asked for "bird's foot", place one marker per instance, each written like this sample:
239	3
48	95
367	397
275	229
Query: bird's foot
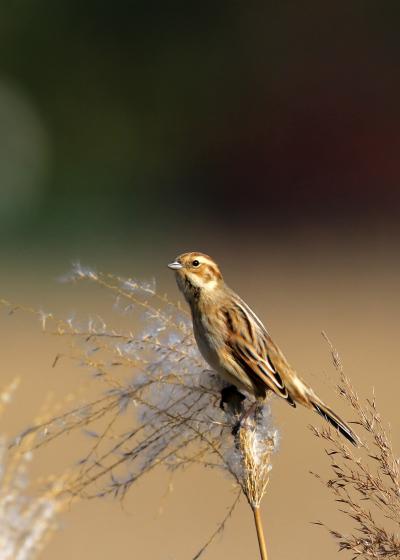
242	421
232	400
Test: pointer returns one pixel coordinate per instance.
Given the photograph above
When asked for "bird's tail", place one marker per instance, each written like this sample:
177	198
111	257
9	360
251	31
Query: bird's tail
335	421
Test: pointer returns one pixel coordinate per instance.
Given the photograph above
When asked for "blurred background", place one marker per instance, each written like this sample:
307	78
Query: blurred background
266	134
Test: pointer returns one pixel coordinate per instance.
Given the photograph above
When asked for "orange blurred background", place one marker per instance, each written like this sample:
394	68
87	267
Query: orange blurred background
347	290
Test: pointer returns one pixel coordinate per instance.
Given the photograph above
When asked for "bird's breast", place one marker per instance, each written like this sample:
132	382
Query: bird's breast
209	335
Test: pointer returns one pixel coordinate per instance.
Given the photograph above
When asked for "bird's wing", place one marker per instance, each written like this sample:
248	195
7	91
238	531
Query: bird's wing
253	349
263	369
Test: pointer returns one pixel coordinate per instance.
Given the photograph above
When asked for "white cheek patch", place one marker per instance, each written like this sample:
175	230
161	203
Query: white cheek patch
211	284
196	280
200	282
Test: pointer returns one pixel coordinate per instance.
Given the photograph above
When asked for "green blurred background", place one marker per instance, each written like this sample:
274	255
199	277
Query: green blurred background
266	134
136	122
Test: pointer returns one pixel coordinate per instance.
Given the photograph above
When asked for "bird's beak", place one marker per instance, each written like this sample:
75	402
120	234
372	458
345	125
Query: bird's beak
175	265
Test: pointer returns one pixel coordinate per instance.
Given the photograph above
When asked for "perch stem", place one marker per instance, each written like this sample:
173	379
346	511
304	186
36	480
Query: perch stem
260	533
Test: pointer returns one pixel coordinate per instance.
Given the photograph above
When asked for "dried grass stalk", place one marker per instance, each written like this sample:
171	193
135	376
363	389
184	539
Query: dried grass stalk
365	482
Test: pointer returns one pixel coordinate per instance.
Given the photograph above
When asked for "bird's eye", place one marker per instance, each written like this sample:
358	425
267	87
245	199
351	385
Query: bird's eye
196	263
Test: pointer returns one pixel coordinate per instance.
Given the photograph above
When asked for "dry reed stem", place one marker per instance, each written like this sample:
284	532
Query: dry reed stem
260	533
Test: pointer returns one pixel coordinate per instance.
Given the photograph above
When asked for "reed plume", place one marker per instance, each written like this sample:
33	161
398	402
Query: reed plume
159	405
28	512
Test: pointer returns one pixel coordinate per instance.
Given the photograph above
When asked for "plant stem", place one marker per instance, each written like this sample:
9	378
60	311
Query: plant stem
260	533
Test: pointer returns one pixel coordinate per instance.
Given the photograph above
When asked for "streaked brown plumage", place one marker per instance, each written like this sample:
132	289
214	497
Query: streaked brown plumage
235	343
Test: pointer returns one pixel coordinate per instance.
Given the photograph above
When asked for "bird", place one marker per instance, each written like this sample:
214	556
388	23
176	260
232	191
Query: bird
235	343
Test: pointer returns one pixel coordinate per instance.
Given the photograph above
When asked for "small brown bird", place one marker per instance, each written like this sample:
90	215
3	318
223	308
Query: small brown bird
235	343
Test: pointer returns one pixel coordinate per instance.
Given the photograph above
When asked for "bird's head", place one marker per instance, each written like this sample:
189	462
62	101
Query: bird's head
196	273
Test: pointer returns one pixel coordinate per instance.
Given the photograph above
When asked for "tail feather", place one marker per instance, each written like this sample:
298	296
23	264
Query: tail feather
334	420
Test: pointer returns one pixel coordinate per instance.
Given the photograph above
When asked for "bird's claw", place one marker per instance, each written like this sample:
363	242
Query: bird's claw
231	397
